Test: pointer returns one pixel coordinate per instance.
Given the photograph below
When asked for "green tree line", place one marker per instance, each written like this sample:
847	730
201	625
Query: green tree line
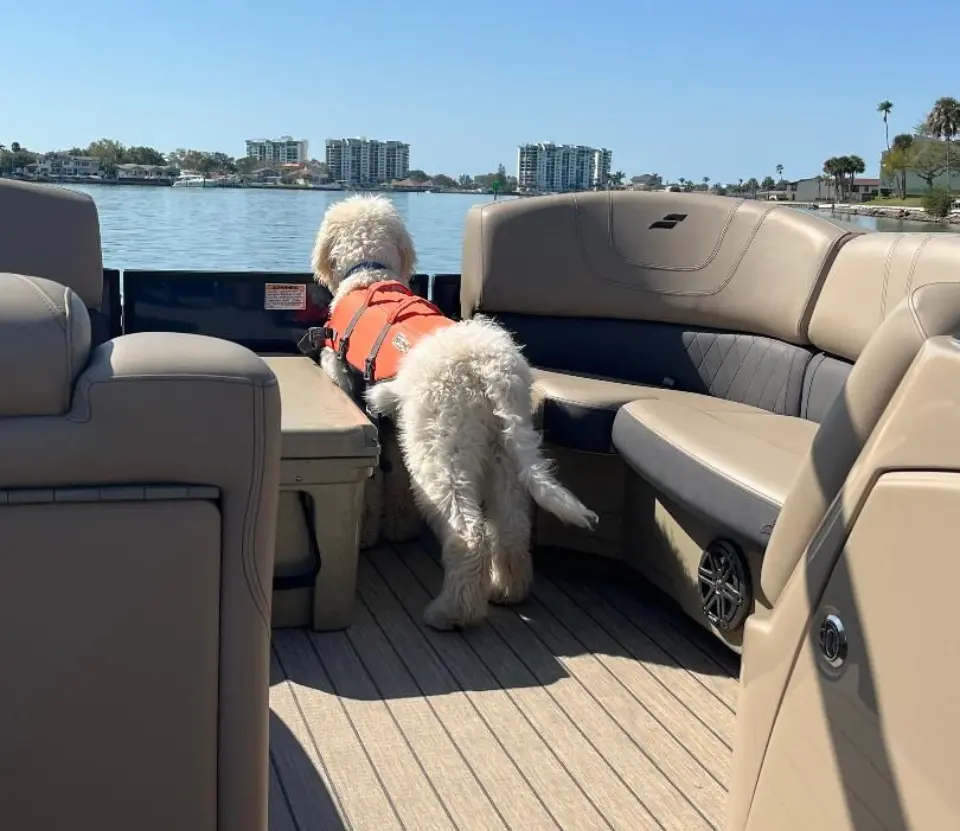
928	151
111	153
498	180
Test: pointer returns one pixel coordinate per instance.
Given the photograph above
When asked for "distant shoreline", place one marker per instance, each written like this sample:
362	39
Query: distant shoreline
905	213
215	185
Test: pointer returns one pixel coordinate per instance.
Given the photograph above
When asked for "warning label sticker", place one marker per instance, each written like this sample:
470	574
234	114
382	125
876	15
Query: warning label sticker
285	296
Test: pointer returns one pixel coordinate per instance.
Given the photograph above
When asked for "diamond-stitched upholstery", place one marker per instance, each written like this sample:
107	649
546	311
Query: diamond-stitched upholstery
749	369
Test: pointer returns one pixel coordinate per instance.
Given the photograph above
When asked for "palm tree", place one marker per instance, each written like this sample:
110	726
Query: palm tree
885	107
854	167
835	167
944	123
614	180
779	173
706	182
902	144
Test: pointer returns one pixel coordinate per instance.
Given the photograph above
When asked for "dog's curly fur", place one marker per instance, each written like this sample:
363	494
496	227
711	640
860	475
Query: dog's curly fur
461	405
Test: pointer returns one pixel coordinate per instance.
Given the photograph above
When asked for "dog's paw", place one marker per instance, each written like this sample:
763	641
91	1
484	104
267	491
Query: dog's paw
508	595
511	579
437	616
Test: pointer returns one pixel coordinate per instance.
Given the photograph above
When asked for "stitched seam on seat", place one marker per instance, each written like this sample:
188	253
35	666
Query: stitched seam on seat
778	392
913	265
818	283
708	292
888	262
251	518
743	363
766	383
51	307
55	314
709	466
82	417
613	405
706	354
68	387
813	378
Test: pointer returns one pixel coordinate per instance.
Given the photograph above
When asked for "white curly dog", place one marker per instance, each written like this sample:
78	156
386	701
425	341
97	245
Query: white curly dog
461	404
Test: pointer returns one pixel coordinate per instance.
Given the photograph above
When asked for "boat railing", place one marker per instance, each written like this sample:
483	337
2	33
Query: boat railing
268	311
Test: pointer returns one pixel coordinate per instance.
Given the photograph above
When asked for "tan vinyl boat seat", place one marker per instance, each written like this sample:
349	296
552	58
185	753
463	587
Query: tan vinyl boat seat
577	410
139	480
730	463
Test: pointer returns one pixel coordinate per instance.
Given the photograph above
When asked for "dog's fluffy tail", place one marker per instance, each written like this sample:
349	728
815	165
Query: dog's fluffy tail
521	443
383	399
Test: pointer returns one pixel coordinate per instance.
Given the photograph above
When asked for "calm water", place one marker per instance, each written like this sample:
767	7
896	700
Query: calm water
274	230
872	223
268	230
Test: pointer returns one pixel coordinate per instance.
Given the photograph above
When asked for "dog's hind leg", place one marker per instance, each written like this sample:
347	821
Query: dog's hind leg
509	509
453	510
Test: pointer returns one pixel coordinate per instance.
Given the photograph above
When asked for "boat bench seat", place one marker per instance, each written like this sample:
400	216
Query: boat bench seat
731	463
709	369
577	410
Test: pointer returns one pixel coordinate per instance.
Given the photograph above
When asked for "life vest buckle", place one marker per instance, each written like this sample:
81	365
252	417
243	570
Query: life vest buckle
313	341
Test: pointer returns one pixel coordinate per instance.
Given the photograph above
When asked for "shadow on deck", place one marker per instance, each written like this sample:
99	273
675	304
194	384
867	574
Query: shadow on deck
593	705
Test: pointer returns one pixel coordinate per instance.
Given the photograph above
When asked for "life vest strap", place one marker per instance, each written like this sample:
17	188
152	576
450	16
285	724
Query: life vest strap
405	304
371	359
402	306
345	337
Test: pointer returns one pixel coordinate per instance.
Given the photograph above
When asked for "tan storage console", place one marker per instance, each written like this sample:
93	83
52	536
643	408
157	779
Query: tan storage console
329	449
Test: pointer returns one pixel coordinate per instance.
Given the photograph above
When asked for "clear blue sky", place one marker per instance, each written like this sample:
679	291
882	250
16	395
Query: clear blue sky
693	88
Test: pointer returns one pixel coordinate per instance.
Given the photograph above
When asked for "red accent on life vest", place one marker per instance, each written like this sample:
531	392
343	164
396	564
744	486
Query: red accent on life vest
373	328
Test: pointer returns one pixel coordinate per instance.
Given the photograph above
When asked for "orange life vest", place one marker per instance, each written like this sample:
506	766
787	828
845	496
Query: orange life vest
373	328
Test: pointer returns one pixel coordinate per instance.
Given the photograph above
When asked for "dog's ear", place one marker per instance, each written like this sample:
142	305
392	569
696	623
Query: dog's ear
322	259
408	255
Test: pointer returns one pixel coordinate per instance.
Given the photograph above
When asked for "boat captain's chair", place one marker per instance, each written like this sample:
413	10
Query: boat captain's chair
138	497
53	232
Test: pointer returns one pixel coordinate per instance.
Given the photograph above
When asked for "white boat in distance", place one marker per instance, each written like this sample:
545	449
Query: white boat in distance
196	181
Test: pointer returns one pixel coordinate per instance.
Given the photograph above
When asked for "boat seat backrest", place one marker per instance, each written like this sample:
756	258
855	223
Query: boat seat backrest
53	232
738	265
711	294
884	296
138	495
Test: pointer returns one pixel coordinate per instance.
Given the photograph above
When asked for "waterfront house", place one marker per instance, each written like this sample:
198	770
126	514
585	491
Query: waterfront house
65	166
147	171
411	184
822	189
267	176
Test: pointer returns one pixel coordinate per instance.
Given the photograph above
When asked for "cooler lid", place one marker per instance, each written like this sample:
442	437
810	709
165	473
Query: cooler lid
319	420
